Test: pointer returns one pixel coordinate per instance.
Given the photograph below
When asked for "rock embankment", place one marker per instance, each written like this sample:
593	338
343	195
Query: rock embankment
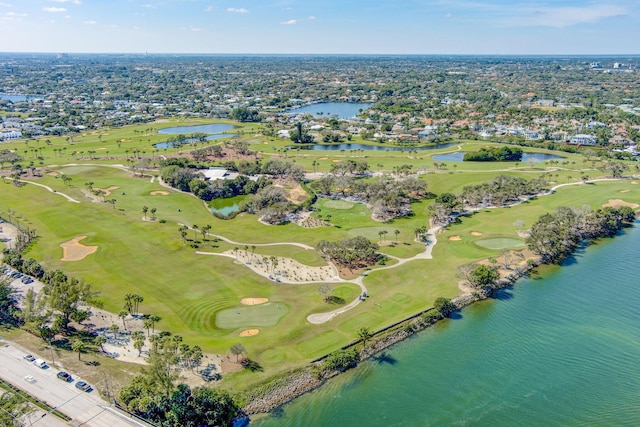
285	391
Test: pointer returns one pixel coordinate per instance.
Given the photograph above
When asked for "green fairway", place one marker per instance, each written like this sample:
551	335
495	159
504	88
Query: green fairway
501	243
338	204
248	316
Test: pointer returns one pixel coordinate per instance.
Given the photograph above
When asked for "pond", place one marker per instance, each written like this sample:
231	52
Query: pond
344	110
14	97
458	156
346	147
215	130
227	206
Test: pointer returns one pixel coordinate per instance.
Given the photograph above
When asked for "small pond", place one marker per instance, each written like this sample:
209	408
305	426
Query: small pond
458	156
227	206
344	110
14	98
346	147
214	130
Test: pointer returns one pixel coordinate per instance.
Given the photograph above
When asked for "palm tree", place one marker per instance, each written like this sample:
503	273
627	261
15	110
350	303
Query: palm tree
122	315
114	328
364	334
380	233
99	341
145	209
396	232
195	231
78	346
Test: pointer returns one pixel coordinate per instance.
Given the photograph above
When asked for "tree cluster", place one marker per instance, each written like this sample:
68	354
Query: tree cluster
501	190
352	252
496	154
556	235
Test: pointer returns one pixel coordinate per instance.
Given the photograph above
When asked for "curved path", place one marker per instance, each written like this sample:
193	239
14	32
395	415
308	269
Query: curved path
69	198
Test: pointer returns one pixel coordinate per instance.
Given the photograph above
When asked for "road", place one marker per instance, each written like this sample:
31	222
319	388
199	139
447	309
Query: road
85	409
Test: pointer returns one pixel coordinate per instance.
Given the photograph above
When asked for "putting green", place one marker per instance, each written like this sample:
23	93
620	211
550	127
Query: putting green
338	204
371	233
255	315
501	243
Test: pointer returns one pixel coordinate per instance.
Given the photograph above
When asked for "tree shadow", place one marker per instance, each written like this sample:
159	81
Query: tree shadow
504	294
455	315
385	357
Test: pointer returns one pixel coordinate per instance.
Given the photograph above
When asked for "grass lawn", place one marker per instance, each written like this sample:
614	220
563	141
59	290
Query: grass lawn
198	296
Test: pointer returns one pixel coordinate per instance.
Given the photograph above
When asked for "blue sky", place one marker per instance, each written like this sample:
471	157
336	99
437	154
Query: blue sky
322	26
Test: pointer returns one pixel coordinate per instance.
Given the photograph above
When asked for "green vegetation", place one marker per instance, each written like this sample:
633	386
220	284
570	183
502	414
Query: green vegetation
497	154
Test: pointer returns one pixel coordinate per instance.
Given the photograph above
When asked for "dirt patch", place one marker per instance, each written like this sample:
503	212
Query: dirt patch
323	158
634	182
624	191
253	301
53	173
73	250
616	203
159	193
249	332
455	238
108	190
265	142
476	233
297	195
335	160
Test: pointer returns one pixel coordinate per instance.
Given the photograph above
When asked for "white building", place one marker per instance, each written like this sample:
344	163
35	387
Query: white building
583	139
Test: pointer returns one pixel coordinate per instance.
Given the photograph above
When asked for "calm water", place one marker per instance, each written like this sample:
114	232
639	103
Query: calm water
347	147
213	129
563	350
344	110
13	98
458	156
226	206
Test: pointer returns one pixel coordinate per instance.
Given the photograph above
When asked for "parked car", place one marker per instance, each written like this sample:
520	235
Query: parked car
65	376
30	379
29	357
81	385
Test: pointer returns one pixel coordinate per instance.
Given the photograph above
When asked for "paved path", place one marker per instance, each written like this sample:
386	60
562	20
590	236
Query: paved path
69	198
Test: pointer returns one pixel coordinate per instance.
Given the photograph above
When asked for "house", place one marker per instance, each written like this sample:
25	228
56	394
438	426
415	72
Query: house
583	139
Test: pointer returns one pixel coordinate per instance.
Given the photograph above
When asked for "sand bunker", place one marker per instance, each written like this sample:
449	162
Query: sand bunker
249	332
624	191
616	203
634	182
455	238
323	158
159	193
108	190
253	301
265	142
73	250
476	233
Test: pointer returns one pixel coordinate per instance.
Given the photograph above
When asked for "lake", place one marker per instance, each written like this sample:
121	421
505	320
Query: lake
215	130
458	156
344	110
347	147
14	97
226	206
558	350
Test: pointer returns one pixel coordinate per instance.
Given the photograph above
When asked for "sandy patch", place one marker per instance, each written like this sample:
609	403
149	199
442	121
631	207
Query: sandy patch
253	301
297	195
249	332
335	160
108	190
101	149
616	203
624	191
476	233
73	250
159	193
634	182
286	270
455	238
265	142
323	158
53	173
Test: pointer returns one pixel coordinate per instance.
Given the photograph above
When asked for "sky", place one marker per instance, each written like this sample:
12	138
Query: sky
321	26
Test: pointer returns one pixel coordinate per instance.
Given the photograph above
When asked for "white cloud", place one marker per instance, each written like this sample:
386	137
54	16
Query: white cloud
148	6
311	18
54	9
560	17
6	5
90	22
290	22
209	9
67	1
237	10
16	15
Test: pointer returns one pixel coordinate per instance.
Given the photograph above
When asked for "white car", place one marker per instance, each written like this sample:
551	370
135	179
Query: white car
30	379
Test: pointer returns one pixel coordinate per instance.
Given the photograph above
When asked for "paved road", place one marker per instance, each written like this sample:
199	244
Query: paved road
86	409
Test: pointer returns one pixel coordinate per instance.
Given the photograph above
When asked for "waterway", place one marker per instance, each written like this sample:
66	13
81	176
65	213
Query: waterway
458	156
561	349
226	206
348	147
344	110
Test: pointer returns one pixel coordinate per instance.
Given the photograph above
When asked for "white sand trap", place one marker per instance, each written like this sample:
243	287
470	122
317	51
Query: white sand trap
253	301
249	332
323	158
624	191
616	203
73	250
265	142
108	190
159	193
455	238
634	182
476	233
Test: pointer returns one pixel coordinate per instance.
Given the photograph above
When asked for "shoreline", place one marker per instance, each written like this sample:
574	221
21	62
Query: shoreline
301	382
